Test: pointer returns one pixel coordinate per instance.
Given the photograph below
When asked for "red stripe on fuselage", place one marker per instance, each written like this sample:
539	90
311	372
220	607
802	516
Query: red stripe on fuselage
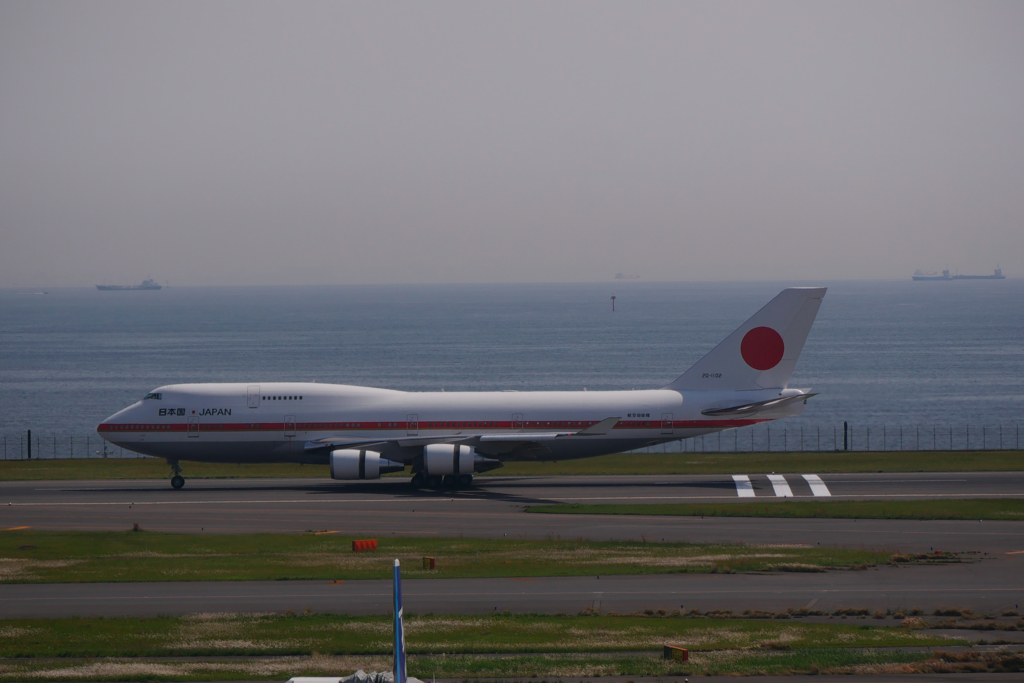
432	425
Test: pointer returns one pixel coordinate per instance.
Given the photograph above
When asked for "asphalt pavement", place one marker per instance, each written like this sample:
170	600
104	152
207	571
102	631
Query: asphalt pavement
494	509
986	587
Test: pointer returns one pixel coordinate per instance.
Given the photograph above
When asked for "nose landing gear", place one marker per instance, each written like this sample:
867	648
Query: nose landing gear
177	481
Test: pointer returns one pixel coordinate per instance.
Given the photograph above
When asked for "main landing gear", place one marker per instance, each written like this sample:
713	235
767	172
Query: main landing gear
421	480
177	481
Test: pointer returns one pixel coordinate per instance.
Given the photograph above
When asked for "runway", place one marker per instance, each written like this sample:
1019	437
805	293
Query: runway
494	509
987	587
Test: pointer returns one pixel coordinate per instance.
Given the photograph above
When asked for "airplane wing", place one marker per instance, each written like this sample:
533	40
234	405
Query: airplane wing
486	444
754	408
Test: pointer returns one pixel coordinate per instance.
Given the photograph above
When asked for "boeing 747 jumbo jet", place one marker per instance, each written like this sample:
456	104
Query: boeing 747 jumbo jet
446	437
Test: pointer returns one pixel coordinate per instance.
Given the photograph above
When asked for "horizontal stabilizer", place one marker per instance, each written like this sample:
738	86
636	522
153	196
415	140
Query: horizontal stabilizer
754	408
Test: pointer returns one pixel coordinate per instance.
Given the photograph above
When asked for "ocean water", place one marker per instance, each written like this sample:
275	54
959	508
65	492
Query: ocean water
910	353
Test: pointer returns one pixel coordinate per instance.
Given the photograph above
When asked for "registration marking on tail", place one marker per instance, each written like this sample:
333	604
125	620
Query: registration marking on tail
744	489
781	486
818	487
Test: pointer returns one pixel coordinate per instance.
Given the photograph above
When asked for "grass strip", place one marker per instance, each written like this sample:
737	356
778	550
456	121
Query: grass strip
30	556
544	667
618	464
149	468
303	634
777	462
980	508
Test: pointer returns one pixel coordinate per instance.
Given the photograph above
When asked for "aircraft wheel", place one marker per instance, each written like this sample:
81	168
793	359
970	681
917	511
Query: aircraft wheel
465	481
435	481
418	481
177	481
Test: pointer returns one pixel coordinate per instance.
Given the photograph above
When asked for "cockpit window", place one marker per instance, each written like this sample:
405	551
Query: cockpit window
158	397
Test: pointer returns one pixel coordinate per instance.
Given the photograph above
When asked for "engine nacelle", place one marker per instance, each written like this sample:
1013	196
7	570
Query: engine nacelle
352	464
441	459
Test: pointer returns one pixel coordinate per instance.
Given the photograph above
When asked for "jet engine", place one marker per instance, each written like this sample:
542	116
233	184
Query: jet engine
442	459
353	464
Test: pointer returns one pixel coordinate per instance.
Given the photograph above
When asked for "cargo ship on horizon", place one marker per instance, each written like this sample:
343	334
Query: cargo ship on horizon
996	275
146	284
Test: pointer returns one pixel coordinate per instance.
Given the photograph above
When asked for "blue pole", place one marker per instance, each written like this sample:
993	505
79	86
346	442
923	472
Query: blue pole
399	671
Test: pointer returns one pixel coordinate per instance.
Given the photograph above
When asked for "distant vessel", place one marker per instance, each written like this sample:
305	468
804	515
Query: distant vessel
996	275
146	284
918	275
621	276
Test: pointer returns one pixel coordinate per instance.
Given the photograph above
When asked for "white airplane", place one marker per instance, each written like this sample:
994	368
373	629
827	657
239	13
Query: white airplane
447	436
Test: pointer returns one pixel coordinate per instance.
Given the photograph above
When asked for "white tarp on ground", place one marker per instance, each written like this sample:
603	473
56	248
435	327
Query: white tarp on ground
358	677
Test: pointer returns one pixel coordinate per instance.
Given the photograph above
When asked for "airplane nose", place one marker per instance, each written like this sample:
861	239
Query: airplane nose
106	429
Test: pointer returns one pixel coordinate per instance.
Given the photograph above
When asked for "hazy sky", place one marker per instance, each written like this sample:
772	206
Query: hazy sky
217	143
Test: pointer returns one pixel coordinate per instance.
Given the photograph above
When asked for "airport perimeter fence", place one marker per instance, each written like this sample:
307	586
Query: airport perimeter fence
755	439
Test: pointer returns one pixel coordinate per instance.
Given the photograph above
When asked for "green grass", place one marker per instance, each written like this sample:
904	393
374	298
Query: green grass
982	508
148	468
757	463
543	667
489	646
276	634
619	464
53	556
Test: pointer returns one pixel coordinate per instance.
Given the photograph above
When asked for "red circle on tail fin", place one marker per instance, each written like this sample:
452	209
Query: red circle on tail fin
762	348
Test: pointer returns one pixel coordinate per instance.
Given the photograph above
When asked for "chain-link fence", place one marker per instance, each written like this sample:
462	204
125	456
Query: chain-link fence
758	438
851	437
61	447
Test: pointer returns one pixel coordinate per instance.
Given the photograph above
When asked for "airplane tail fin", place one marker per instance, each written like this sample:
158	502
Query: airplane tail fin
399	672
763	351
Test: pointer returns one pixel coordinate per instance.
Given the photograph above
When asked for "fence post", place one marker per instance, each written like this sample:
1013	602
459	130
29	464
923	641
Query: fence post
846	444
30	444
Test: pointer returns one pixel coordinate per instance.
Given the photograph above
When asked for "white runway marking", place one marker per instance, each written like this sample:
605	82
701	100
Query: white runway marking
780	485
743	487
818	487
